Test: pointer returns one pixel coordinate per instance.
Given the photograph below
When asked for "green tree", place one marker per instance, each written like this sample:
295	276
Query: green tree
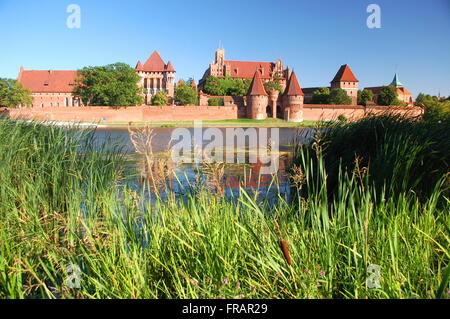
364	96
111	85
239	87
226	86
216	101
214	86
160	98
321	96
339	97
13	94
388	95
435	108
185	94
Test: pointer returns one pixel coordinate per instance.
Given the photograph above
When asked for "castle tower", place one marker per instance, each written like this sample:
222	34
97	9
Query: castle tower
220	56
257	99
346	80
156	76
293	100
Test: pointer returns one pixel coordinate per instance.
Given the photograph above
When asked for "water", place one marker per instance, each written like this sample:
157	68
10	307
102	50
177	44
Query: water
235	175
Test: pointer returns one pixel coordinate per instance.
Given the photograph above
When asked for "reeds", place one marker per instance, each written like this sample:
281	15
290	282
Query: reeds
60	205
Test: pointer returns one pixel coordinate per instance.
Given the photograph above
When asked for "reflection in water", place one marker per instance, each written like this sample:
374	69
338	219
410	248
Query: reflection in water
226	179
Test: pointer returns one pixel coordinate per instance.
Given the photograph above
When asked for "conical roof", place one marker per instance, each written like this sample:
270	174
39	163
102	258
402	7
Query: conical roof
170	67
257	87
293	88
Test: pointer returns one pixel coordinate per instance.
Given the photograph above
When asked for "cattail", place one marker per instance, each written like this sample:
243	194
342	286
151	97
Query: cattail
285	249
283	244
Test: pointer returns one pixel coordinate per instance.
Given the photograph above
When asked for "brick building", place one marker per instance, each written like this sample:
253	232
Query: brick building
51	87
403	94
245	69
55	88
156	76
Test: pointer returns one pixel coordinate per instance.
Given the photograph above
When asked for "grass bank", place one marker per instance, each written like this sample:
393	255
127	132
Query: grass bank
60	205
217	123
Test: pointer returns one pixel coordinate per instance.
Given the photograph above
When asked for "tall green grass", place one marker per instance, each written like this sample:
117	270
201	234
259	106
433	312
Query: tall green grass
60	205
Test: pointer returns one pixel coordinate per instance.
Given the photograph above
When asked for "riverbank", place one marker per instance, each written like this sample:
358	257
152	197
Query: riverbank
219	123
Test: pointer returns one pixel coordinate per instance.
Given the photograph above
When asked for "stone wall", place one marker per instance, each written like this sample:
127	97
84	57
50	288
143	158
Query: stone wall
126	114
314	112
102	114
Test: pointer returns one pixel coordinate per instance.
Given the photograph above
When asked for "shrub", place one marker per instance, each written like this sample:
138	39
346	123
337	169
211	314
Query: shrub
185	94
215	101
339	97
399	154
160	98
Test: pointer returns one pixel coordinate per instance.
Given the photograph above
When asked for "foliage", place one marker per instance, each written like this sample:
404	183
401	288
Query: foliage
216	101
273	85
13	94
226	86
435	108
321	96
339	97
185	94
399	154
62	204
388	96
364	96
342	118
111	85
160	98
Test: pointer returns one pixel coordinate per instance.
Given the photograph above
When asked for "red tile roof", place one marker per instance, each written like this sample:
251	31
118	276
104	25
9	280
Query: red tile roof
403	90
246	69
293	88
377	90
48	81
345	74
155	64
170	67
257	87
139	65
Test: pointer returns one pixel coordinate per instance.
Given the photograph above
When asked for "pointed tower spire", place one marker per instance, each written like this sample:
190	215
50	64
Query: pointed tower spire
293	88
139	65
257	87
170	67
396	82
344	74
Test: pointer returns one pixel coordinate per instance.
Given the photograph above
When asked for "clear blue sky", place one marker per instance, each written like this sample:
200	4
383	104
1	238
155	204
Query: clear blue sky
312	37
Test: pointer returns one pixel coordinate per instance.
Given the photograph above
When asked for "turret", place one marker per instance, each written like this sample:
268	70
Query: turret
346	80
293	100
257	99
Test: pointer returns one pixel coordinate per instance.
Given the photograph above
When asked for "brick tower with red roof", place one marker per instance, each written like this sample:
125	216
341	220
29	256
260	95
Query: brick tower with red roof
293	100
257	99
346	80
156	76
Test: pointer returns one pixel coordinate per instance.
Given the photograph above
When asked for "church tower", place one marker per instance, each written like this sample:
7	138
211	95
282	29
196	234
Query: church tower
257	99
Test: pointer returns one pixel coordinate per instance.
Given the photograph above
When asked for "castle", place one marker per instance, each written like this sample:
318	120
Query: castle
51	88
56	88
245	69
